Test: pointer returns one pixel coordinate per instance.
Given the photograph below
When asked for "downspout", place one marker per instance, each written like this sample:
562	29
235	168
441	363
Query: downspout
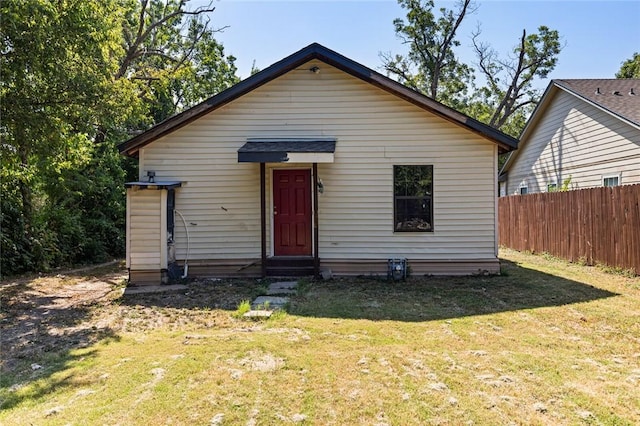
263	221
496	190
316	233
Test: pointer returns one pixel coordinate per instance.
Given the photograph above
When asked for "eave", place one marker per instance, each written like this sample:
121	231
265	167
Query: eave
316	51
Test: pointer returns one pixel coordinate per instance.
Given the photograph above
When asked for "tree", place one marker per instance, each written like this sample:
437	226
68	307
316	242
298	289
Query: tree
509	86
56	66
431	65
630	68
75	79
171	56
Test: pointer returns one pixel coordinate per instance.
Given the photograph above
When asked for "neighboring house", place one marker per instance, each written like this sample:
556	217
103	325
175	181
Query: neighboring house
315	163
583	134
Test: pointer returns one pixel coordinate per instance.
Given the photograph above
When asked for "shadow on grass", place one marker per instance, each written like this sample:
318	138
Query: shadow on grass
432	298
203	294
40	333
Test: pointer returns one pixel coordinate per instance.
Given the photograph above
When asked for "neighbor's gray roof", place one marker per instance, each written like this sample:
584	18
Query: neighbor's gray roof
620	96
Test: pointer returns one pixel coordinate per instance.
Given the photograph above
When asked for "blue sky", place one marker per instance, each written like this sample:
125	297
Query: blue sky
597	35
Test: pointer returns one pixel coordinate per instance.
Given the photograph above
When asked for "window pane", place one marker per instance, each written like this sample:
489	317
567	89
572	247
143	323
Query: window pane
413	214
611	181
413	187
412	181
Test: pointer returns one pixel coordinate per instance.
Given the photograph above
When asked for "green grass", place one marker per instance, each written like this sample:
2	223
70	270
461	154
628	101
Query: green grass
545	343
243	308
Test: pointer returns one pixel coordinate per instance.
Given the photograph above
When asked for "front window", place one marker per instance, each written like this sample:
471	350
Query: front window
413	198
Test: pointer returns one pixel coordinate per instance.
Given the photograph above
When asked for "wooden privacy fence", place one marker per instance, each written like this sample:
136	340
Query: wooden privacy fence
598	225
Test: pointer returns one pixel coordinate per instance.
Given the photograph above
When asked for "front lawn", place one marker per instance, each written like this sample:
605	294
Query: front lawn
545	343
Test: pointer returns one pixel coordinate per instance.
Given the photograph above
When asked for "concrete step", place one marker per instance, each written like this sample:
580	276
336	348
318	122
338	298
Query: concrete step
282	288
269	302
258	314
280	292
284	285
289	266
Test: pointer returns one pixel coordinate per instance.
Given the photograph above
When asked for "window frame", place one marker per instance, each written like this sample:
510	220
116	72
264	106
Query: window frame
406	197
605	177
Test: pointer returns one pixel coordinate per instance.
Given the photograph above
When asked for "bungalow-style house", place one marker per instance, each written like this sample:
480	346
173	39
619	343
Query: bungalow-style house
583	134
315	164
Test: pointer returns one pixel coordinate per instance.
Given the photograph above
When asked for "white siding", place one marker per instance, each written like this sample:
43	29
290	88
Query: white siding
146	237
576	140
374	131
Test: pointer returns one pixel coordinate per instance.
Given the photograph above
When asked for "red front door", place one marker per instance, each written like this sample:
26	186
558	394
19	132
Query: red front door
292	212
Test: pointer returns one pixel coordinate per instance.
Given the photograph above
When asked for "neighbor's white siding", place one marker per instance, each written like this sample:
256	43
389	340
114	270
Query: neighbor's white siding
375	130
146	226
577	141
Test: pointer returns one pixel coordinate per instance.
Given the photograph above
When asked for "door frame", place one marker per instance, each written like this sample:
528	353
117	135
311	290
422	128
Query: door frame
271	209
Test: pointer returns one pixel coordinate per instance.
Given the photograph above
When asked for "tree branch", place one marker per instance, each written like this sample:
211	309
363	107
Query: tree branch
503	110
143	33
172	15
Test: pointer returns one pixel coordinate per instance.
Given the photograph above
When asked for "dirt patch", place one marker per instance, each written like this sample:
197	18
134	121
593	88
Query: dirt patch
74	309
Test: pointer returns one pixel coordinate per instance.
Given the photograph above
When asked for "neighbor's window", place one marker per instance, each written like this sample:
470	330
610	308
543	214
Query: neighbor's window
524	190
413	198
552	187
611	181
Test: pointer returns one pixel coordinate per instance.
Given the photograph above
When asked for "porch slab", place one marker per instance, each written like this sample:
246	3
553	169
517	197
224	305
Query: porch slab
144	289
258	314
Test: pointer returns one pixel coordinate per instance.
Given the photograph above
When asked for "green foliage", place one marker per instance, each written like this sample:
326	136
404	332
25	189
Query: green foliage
75	79
566	186
279	314
630	68
243	308
432	67
261	290
56	68
509	93
254	68
172	57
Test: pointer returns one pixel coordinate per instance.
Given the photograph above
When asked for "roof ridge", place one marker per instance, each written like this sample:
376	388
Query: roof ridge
316	51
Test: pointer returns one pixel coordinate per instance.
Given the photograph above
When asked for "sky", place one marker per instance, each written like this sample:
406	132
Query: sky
597	35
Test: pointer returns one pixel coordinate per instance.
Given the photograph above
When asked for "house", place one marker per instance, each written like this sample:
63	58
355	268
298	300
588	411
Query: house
316	163
583	134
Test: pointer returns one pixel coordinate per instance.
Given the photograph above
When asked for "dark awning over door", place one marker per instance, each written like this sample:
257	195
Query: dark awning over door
299	150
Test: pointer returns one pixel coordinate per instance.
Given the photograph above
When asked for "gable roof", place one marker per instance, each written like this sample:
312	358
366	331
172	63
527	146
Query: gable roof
316	51
619	97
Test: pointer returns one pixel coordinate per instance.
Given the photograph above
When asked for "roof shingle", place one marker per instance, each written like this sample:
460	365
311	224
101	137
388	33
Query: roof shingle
620	96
